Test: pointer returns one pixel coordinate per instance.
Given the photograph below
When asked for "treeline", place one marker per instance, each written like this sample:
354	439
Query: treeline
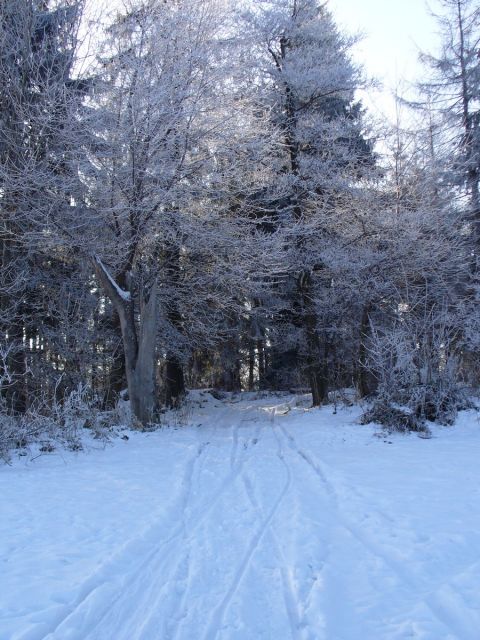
203	204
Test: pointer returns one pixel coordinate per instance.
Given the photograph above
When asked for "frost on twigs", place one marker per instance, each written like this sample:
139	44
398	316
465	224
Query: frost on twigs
410	408
440	402
394	418
47	426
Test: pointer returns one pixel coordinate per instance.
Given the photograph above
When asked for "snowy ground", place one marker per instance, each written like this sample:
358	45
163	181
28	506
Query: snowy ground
247	524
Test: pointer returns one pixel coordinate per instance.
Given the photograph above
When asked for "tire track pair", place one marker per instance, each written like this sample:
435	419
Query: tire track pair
159	591
442	615
110	575
291	601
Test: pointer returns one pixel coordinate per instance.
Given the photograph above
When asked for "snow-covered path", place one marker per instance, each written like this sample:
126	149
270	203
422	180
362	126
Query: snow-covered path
247	524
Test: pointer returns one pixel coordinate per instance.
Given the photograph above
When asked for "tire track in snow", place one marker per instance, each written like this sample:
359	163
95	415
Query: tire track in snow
141	585
178	608
145	545
103	577
168	592
236	466
449	619
218	615
293	606
178	553
302	593
313	464
233	451
169	599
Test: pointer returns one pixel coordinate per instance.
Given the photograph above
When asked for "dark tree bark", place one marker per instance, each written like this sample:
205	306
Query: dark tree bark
139	345
316	359
12	321
364	382
251	365
228	378
16	392
174	382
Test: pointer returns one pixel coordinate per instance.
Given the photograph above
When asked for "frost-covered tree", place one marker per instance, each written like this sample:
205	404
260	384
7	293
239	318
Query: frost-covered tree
171	249
451	99
453	95
309	84
39	100
154	81
204	208
413	278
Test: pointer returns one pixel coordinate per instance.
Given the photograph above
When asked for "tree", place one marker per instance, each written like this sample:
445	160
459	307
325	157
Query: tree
310	84
165	247
38	96
453	94
146	119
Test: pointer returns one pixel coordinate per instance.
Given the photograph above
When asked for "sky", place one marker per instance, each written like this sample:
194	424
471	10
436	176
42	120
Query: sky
394	33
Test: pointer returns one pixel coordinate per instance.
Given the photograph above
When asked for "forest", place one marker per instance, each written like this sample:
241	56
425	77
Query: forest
192	195
239	323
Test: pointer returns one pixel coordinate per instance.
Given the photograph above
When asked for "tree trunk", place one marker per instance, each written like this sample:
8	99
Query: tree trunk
317	369
139	349
363	382
251	365
262	365
174	386
16	396
141	380
174	381
12	319
229	374
316	360
117	379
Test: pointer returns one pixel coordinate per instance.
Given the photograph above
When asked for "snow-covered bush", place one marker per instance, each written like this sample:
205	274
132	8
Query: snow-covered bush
61	423
392	417
11	435
440	401
416	365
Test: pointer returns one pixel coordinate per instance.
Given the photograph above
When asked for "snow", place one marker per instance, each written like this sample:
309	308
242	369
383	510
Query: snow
124	295
258	519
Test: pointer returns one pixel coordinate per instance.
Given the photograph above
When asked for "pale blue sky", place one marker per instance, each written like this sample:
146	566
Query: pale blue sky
394	31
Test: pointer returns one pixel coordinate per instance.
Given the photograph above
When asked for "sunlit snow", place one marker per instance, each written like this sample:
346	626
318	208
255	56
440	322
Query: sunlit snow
257	518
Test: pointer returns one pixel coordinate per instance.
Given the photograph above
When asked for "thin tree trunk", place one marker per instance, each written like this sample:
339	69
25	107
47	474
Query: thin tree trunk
262	367
316	360
16	396
317	368
363	382
117	379
139	349
174	384
251	365
12	325
230	366
174	381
